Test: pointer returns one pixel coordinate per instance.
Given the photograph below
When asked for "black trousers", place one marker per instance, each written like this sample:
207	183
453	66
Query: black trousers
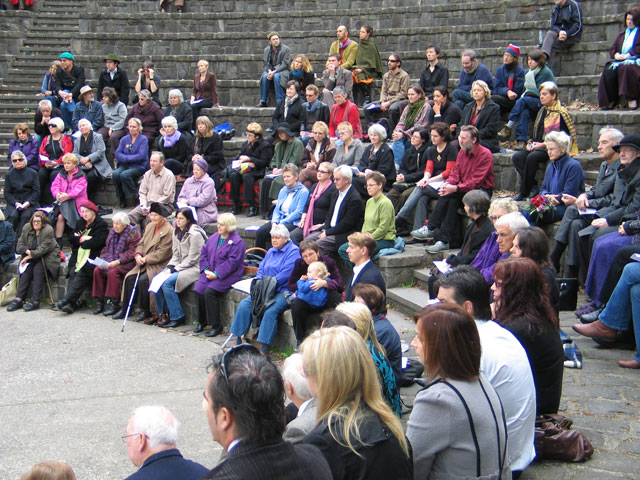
505	103
34	277
264	232
265	201
18	218
248	181
209	307
444	217
93	180
526	164
174	165
46	176
301	311
78	283
622	258
142	291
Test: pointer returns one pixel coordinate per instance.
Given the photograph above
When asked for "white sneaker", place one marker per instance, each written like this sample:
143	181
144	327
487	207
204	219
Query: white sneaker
438	247
423	233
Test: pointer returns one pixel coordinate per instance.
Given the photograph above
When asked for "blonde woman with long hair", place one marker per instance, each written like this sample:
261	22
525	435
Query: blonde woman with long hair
362	317
357	432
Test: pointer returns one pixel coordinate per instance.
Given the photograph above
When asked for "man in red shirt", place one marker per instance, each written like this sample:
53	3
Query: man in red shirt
473	170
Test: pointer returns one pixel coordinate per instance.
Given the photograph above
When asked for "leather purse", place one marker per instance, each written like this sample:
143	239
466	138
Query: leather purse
554	440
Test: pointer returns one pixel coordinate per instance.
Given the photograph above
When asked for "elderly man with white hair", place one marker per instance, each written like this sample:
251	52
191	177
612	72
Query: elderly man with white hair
297	390
152	434
507	227
278	264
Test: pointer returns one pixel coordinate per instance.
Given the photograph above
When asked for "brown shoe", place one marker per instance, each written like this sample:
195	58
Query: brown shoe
164	320
595	329
505	133
151	320
633	363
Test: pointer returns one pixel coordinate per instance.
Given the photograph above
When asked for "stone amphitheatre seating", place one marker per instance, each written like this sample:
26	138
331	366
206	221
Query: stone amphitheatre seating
233	37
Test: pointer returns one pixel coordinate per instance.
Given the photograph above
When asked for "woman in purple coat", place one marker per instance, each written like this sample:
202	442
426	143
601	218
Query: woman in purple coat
24	142
221	265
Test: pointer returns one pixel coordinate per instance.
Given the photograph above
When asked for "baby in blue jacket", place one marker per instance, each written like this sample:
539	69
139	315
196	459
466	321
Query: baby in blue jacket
314	298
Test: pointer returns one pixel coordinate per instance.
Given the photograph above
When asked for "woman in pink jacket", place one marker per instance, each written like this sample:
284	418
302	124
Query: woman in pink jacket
69	188
199	191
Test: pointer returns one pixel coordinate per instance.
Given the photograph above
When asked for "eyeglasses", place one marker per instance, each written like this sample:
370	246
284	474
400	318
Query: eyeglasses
323	171
124	437
36	220
493	218
226	357
309	94
16	160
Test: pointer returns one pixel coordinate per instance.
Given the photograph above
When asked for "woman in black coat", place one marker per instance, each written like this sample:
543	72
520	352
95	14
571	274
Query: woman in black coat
290	109
208	145
255	155
175	147
483	114
443	109
21	191
376	157
87	241
180	111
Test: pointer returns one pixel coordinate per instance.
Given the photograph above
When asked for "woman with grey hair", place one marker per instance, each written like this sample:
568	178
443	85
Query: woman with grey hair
115	114
552	117
278	263
175	147
181	112
149	113
376	157
119	253
21	191
90	149
564	174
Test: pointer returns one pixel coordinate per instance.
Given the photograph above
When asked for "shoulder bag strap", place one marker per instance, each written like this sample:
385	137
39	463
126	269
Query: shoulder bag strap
471	425
501	458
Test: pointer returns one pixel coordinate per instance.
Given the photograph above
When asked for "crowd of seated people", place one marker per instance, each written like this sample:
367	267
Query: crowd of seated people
351	204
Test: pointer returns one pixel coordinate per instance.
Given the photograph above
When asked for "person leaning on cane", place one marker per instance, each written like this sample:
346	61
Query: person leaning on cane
36	243
152	255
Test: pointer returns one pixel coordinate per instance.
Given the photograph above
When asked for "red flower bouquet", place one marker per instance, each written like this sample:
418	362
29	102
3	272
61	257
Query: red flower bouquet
538	205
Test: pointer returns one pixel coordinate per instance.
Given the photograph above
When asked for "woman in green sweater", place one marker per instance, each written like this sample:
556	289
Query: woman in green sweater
379	216
287	149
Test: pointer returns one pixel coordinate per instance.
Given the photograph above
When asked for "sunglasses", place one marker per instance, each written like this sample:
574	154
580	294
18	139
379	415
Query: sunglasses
236	350
17	160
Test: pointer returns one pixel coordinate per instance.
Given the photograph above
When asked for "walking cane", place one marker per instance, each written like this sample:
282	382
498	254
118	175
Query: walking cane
46	277
133	294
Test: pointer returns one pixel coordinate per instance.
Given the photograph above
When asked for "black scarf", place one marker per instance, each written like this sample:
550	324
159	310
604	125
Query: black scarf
86	145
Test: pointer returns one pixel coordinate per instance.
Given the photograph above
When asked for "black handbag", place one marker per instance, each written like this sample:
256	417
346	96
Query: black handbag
568	298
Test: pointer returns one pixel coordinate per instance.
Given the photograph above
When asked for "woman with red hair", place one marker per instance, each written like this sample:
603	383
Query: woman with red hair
523	306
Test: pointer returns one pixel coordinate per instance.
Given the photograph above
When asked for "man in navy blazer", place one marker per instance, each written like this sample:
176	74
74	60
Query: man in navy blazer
361	248
152	434
244	402
346	214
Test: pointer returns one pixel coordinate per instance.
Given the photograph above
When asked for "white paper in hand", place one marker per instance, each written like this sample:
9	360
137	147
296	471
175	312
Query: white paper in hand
158	280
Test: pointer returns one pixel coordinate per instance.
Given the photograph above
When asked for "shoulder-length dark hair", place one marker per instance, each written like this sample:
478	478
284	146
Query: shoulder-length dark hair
450	342
534	244
188	214
42	216
524	294
372	296
635	15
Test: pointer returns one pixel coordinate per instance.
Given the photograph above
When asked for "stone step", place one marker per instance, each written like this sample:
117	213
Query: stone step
407	300
421	277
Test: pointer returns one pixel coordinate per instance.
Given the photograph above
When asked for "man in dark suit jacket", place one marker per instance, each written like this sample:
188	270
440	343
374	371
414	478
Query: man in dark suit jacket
113	76
361	248
346	214
245	412
297	390
151	437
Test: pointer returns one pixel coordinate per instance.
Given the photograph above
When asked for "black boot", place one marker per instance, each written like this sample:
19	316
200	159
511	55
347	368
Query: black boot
59	242
99	306
112	307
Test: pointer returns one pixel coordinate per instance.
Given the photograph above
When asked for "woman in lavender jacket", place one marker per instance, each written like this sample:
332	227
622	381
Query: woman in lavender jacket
199	191
221	265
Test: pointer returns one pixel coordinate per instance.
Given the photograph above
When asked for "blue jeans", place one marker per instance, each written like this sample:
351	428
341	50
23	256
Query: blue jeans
624	304
52	99
418	200
461	98
520	114
168	295
399	147
67	112
124	181
264	87
269	324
